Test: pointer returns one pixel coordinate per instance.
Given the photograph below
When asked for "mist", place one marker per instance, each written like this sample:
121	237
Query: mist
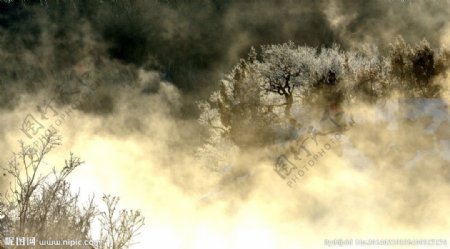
128	77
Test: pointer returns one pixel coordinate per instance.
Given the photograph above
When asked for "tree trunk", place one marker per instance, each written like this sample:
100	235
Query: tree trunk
289	102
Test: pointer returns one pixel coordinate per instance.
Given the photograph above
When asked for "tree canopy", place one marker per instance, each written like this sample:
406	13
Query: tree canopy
281	85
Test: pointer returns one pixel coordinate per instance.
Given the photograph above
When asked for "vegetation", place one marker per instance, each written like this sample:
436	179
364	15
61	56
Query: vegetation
42	205
270	89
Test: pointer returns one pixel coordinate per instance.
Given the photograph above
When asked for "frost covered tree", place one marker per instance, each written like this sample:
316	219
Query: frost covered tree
285	87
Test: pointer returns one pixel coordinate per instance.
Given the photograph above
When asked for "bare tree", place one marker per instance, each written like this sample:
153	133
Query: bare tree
29	161
42	205
118	226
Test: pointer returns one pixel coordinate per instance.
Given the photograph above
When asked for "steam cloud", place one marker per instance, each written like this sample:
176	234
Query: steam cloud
137	131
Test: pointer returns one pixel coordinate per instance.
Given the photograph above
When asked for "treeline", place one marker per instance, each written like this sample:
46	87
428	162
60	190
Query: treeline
266	91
